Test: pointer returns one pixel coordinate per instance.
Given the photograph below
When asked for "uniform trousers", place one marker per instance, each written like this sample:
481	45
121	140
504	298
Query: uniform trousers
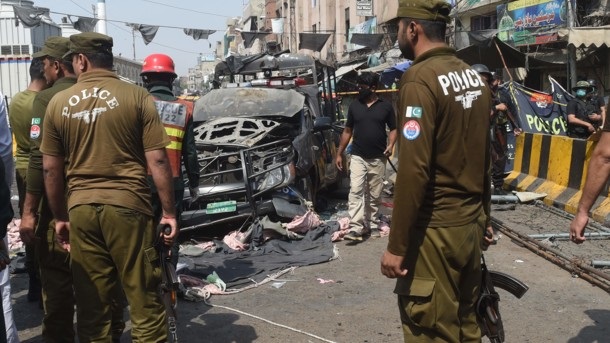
366	184
57	288
437	299
31	262
112	245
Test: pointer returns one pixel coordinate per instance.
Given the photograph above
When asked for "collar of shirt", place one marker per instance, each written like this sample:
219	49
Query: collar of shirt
433	53
67	79
162	93
94	74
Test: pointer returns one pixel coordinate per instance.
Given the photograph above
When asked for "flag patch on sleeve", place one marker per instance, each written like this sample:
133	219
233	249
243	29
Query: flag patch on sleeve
413	112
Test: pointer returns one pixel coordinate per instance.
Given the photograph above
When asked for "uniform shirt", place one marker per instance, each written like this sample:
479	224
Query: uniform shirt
104	126
443	179
20	117
598	102
34	176
369	127
189	149
578	108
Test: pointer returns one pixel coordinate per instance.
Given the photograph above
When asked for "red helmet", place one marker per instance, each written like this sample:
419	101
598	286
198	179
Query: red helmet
158	63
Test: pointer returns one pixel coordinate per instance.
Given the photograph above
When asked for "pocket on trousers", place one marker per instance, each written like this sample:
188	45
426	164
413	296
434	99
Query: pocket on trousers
419	303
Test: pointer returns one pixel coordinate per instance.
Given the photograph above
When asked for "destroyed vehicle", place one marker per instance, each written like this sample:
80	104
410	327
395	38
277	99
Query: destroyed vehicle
266	141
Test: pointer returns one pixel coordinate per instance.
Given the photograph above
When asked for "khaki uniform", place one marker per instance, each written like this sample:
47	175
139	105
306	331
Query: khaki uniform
54	261
20	117
441	188
104	126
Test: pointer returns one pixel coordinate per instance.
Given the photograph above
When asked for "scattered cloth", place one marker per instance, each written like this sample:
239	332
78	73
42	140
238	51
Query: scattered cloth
304	223
242	267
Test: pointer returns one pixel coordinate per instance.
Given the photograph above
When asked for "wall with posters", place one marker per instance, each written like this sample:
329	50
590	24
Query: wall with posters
531	22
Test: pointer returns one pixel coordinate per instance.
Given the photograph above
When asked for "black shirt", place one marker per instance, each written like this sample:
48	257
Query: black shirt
580	109
369	127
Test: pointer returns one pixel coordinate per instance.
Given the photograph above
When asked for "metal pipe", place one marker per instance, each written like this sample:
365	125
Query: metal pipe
504	199
562	213
567	235
595	263
598	278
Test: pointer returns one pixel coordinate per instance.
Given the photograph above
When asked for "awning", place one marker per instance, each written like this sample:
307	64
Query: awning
250	37
488	54
347	68
378	68
587	36
370	40
313	41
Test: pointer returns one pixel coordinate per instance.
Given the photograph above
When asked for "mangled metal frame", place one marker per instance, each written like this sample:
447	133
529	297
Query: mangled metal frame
255	169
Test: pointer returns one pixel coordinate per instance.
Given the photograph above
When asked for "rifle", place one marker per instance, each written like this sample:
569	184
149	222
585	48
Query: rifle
169	281
488	310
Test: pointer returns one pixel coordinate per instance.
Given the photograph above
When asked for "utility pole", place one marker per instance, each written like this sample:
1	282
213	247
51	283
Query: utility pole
571	50
293	31
133	41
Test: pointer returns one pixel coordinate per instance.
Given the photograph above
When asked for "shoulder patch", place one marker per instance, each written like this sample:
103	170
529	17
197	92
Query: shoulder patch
34	132
411	130
413	112
35	121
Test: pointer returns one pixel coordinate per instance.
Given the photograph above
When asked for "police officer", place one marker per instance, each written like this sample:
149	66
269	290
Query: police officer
583	119
20	117
54	261
108	131
177	116
499	118
443	186
597	101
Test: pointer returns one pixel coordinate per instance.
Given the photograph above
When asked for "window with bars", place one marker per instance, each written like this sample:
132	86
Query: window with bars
484	22
14	50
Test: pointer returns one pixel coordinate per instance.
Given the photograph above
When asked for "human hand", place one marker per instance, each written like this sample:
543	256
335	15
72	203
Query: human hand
590	127
168	239
388	151
391	265
339	162
517	131
488	238
577	228
62	234
501	107
26	228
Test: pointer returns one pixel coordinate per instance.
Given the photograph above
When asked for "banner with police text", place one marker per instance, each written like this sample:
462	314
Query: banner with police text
538	112
541	112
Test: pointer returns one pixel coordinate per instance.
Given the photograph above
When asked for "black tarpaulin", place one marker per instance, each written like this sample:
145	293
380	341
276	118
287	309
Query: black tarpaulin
370	40
238	268
148	32
250	37
313	41
198	34
29	17
487	53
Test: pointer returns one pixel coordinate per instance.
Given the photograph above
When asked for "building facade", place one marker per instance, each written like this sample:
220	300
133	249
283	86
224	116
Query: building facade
18	43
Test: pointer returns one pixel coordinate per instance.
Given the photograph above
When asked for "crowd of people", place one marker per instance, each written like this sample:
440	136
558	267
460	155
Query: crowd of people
90	147
99	164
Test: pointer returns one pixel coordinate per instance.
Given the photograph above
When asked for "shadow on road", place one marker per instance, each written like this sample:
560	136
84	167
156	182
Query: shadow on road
599	332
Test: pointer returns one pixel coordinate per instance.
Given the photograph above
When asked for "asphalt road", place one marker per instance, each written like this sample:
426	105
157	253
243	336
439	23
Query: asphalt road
358	306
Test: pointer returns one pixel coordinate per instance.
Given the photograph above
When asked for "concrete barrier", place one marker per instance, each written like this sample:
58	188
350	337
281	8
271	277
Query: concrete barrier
557	166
